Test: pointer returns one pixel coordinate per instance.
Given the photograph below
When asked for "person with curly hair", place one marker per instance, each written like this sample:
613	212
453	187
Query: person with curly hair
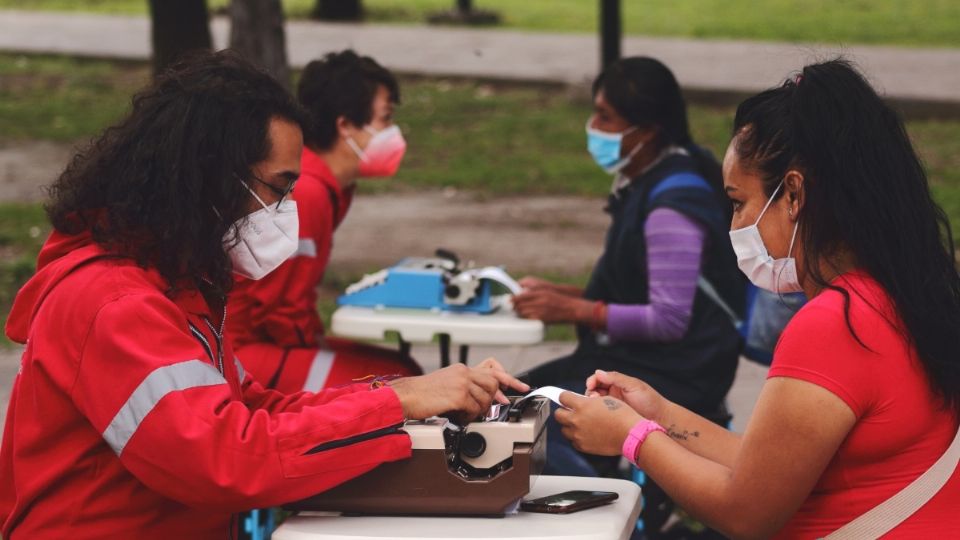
130	416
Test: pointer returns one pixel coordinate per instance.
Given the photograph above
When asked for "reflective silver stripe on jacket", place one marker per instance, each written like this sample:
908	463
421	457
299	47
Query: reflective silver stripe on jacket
159	383
240	372
319	371
306	247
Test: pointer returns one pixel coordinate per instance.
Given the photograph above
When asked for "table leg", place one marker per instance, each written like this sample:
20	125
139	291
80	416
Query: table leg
464	352
444	350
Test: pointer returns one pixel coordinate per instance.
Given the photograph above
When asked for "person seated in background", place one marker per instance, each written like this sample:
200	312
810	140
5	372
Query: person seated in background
660	301
130	416
350	134
863	396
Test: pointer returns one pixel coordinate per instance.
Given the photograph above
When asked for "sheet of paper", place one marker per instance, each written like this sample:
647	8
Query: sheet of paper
499	275
550	392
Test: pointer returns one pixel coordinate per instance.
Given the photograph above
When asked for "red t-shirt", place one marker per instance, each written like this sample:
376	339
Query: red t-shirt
901	428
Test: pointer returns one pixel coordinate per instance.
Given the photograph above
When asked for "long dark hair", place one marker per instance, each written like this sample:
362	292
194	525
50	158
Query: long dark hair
866	193
644	92
164	185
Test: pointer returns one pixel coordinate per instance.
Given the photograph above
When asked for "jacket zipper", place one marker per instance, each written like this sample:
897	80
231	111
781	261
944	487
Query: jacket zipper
389	430
206	344
218	361
219	337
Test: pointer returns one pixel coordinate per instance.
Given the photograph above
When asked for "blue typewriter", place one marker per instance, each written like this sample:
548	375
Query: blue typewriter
432	283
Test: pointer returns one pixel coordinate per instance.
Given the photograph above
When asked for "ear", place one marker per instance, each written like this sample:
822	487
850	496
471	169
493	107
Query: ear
345	127
648	134
794	193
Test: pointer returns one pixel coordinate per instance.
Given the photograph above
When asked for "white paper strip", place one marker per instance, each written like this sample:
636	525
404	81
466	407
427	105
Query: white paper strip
550	392
497	274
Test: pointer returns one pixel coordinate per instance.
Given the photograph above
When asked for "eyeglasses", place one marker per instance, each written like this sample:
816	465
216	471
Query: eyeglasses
280	193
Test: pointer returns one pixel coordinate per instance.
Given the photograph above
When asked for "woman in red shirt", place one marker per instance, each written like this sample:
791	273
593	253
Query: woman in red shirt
863	395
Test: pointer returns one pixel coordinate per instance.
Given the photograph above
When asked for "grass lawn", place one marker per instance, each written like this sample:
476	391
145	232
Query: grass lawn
493	140
906	22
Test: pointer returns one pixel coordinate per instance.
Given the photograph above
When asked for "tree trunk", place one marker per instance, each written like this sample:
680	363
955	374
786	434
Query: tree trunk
256	32
338	10
177	27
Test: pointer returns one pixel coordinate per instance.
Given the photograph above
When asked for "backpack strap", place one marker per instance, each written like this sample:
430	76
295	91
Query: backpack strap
713	294
687	180
678	181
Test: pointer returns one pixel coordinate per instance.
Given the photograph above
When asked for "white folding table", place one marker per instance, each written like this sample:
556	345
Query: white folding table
502	327
610	522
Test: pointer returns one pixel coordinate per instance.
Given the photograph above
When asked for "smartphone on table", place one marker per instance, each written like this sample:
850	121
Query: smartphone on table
568	501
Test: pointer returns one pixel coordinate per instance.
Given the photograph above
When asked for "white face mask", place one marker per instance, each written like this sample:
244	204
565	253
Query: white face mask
775	275
268	237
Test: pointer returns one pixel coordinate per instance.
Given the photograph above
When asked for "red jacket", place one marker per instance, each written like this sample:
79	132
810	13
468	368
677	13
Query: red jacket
125	423
281	308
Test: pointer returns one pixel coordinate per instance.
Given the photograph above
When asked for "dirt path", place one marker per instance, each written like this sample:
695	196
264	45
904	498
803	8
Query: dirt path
26	167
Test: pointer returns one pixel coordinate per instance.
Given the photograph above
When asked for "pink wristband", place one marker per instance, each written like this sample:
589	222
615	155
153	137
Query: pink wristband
637	435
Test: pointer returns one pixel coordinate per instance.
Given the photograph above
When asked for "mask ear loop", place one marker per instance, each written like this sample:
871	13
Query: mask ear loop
356	149
793	238
769	202
636	148
255	196
625	160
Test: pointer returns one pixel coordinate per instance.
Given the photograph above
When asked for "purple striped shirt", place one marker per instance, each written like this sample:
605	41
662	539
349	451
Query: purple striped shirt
675	246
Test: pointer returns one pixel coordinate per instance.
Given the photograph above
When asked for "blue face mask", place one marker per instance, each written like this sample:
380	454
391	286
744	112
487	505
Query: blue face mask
605	148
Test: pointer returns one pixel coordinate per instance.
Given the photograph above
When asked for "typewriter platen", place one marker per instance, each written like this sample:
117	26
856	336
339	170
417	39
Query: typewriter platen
483	468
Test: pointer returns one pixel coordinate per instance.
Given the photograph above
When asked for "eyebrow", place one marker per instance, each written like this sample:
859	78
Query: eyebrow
289	176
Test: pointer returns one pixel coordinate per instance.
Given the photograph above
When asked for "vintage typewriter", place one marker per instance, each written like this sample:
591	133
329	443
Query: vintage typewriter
482	468
432	283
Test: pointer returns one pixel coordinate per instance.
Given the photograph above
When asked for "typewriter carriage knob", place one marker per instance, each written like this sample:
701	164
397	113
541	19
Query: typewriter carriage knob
473	445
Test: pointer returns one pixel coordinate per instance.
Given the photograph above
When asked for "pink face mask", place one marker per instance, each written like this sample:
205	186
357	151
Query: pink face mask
383	153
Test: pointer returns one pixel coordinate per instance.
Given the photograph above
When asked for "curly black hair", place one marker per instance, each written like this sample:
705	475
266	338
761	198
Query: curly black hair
341	84
163	185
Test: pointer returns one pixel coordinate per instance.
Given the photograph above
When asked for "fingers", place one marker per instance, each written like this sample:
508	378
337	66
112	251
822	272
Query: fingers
564	417
592	383
505	379
490	363
571	400
613	378
479	402
532	283
528	282
487	380
595	387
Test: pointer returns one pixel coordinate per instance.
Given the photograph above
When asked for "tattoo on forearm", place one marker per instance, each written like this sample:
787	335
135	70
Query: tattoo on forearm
611	404
683	435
